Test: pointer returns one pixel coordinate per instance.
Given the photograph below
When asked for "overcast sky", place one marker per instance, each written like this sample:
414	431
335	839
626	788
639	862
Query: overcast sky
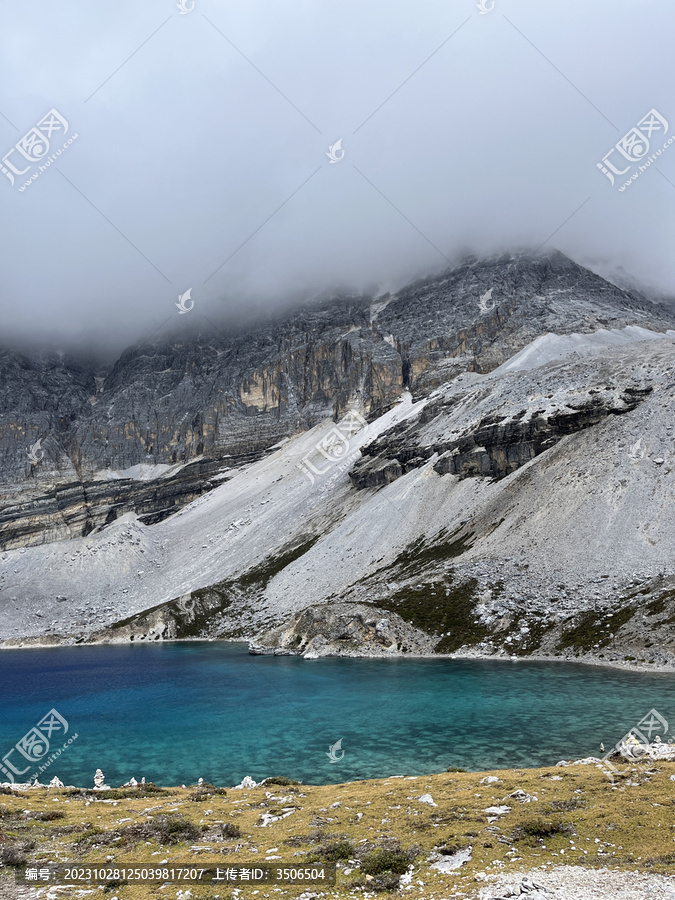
201	152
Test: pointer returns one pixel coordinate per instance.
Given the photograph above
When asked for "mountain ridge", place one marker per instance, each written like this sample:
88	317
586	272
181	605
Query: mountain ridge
225	399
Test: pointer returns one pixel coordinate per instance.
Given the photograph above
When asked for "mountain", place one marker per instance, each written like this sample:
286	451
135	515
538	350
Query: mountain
183	408
482	460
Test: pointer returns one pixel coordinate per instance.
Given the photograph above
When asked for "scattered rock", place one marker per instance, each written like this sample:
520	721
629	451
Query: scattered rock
246	783
268	818
455	861
522	797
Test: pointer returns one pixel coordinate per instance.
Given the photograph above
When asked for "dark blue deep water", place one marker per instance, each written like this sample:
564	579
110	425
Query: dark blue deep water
175	712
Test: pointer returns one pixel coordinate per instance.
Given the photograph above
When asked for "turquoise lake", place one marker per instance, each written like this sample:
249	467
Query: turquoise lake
177	712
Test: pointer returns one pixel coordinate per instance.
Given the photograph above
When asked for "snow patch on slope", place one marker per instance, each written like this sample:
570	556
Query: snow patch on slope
552	347
139	472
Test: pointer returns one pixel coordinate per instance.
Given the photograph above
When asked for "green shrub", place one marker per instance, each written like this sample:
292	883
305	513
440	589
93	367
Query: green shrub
143	790
332	852
175	830
568	805
13	856
539	830
130	793
449	849
386	882
380	861
206	792
49	815
89	835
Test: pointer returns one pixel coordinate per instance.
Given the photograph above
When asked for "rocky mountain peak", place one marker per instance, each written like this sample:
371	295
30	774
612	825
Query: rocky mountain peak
200	396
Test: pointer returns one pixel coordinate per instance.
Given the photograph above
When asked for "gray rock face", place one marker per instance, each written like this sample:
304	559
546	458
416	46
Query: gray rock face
342	629
440	331
197	397
77	508
225	397
498	443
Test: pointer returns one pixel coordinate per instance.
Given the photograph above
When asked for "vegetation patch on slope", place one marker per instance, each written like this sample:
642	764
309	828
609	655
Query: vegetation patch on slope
197	614
441	608
424	554
259	576
595	629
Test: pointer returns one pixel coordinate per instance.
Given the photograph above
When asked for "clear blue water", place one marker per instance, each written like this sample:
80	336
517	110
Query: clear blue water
177	712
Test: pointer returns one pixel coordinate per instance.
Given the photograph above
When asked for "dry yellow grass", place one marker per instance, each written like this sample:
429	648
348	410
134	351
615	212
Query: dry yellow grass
579	819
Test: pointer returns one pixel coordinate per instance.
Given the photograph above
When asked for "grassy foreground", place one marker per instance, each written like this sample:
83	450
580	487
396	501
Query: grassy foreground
374	830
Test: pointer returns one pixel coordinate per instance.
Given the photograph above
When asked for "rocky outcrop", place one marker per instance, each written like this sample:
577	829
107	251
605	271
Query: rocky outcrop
501	441
79	508
342	629
496	449
375	472
617	633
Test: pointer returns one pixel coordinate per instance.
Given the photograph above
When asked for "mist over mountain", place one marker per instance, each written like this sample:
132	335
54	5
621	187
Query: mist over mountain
202	159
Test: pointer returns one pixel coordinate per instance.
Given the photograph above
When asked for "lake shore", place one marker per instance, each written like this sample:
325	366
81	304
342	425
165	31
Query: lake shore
469	835
586	659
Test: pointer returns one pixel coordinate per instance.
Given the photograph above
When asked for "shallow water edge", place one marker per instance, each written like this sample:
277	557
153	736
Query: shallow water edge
585	659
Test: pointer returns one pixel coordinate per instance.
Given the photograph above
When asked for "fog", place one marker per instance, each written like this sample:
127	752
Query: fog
201	157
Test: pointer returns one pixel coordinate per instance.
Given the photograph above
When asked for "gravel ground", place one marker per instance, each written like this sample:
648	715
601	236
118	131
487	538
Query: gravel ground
577	883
